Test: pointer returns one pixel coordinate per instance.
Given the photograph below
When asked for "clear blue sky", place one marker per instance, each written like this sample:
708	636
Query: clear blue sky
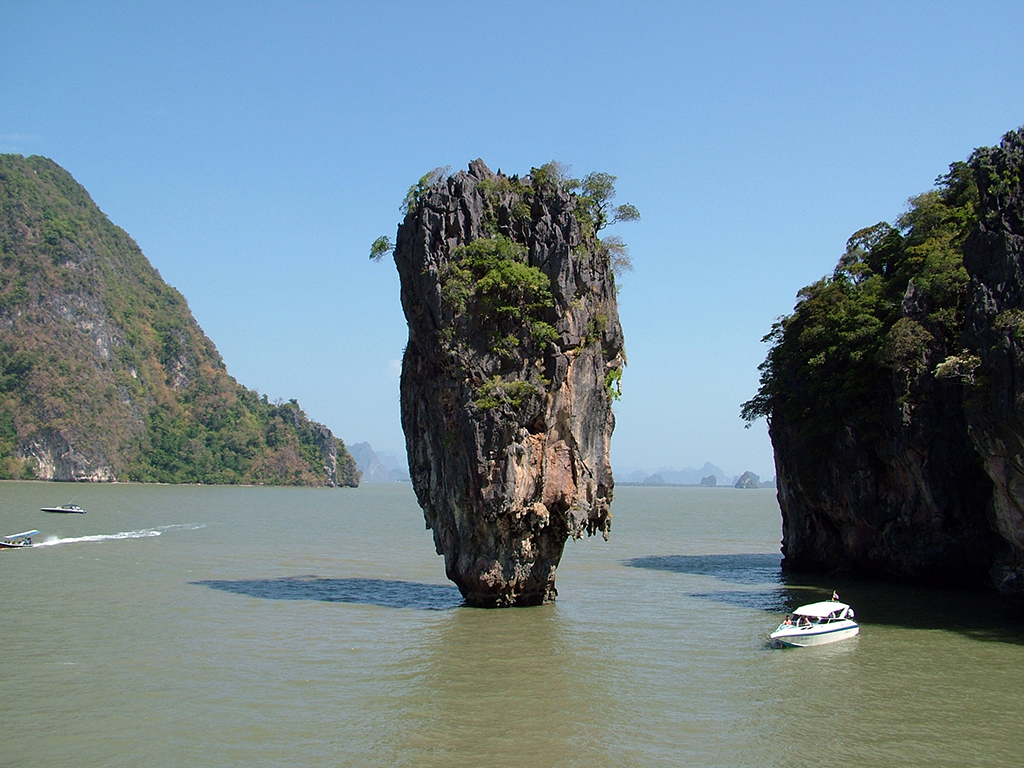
255	150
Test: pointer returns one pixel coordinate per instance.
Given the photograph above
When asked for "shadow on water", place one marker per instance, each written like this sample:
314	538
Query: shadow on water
737	569
980	615
976	613
741	569
385	593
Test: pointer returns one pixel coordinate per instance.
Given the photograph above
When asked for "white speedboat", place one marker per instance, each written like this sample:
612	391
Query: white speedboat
817	624
17	540
72	509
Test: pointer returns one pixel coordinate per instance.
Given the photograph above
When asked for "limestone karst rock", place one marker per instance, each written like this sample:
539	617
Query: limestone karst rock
748	480
906	463
514	354
993	355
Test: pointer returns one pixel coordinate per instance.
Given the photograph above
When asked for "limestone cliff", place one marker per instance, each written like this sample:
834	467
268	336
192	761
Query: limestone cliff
514	355
895	392
994	333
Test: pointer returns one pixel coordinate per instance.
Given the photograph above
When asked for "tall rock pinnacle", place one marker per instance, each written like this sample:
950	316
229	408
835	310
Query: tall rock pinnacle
513	361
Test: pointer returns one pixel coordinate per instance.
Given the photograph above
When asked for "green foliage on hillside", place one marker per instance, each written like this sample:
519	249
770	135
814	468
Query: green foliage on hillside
890	313
97	351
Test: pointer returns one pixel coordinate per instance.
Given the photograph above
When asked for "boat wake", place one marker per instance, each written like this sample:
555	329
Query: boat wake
144	533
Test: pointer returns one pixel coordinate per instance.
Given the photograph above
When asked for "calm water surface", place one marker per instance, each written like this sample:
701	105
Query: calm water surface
176	626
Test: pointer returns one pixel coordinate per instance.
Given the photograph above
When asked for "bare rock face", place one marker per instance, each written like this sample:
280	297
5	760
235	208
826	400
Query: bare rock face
994	257
909	505
57	459
514	355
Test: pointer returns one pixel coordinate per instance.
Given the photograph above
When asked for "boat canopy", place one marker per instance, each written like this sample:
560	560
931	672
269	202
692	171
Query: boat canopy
22	535
821	610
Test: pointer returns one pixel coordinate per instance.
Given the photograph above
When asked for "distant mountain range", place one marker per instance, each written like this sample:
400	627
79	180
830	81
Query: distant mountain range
382	467
709	475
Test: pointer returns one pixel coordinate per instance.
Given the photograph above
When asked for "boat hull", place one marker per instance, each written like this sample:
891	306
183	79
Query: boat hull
798	637
21	540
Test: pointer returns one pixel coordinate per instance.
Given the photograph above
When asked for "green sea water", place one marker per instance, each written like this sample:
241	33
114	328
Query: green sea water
214	626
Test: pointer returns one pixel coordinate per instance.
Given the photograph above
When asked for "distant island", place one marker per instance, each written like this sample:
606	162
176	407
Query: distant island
379	466
708	476
105	374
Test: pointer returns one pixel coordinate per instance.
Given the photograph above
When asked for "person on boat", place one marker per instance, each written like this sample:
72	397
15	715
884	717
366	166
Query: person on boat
788	621
835	595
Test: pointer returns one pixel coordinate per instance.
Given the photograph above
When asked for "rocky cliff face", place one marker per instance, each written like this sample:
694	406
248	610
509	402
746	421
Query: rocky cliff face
909	504
923	480
514	353
994	332
56	458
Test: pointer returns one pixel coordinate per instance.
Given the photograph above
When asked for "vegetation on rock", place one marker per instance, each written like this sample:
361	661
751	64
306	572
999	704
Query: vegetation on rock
594	210
104	373
893	305
489	281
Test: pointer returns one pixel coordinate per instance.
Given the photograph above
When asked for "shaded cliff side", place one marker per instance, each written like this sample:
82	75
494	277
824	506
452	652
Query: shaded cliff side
513	360
994	346
893	392
104	373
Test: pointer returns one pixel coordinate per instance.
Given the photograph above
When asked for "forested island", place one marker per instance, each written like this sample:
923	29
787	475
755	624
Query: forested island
894	392
105	374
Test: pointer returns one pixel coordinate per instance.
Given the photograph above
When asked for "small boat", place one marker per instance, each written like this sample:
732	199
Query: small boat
18	540
72	509
817	624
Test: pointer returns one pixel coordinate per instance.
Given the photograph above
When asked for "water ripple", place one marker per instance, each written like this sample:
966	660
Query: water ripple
387	593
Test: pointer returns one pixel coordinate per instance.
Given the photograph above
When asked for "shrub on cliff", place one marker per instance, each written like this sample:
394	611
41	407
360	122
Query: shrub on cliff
490	279
489	282
594	195
892	310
